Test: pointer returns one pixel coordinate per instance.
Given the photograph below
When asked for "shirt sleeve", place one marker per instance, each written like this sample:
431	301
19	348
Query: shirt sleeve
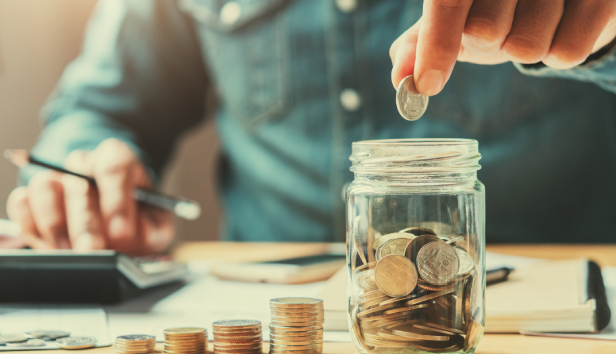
599	68
140	77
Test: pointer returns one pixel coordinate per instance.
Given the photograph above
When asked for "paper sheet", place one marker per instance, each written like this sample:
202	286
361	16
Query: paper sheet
90	322
208	299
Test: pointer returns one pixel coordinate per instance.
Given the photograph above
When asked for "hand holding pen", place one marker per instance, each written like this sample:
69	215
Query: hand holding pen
102	200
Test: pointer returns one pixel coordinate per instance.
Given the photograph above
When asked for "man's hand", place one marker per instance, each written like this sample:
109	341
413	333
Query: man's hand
62	211
559	33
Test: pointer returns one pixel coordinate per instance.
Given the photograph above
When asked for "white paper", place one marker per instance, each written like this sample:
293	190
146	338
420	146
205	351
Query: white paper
78	322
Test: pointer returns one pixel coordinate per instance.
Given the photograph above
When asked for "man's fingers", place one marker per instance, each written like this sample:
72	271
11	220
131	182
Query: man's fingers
438	43
84	221
156	226
533	29
19	211
113	170
581	25
487	26
46	200
402	54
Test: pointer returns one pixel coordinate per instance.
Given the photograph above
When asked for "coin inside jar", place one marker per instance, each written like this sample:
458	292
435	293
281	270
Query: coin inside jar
395	275
395	246
438	263
417	244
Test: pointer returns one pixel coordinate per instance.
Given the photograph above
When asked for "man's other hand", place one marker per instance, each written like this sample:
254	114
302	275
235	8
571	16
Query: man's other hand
59	211
559	33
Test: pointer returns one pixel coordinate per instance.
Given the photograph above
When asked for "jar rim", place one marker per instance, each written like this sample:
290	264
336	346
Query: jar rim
415	156
418	142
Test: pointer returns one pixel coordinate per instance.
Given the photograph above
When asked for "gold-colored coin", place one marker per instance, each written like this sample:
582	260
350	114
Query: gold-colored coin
386	344
365	266
395	300
475	330
236	324
396	246
295	342
395	275
389	336
296	314
439	330
184	330
385	317
277	328
298	324
427	286
295	347
297	319
395	236
286	351
406	309
416	333
430	296
417	244
371	295
365	313
283	303
454	344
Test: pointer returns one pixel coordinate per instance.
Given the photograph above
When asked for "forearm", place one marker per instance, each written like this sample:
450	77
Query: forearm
599	68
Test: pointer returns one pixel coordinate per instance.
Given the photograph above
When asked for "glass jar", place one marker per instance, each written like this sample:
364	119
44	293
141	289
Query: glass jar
416	246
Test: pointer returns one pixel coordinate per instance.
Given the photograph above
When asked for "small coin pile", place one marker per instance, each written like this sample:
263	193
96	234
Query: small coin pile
237	337
76	342
296	326
416	289
185	340
134	344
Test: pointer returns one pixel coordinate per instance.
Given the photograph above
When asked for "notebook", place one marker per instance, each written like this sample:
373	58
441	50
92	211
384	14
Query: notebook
547	296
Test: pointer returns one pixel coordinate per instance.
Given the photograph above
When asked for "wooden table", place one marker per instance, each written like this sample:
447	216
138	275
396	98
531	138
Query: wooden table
605	255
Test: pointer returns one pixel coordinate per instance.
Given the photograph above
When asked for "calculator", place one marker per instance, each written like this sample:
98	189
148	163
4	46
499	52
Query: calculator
66	276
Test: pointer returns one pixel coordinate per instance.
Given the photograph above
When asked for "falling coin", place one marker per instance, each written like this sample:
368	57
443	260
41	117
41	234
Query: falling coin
411	104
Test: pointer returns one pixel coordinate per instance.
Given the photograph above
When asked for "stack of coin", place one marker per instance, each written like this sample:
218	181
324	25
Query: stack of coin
134	344
416	291
237	337
185	340
296	326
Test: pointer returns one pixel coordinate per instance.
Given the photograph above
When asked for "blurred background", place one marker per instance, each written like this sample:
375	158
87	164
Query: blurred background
38	38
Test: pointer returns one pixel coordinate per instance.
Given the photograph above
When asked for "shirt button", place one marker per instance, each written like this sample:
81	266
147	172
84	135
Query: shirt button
230	13
346	6
350	100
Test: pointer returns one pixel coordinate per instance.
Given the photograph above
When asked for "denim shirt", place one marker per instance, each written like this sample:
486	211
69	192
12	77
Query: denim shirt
297	81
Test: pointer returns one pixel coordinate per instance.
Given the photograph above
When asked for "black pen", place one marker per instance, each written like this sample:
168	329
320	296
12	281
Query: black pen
184	208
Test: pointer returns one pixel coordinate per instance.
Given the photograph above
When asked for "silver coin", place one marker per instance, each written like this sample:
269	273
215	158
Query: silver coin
135	337
438	263
411	104
76	342
47	335
13	338
466	262
30	343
